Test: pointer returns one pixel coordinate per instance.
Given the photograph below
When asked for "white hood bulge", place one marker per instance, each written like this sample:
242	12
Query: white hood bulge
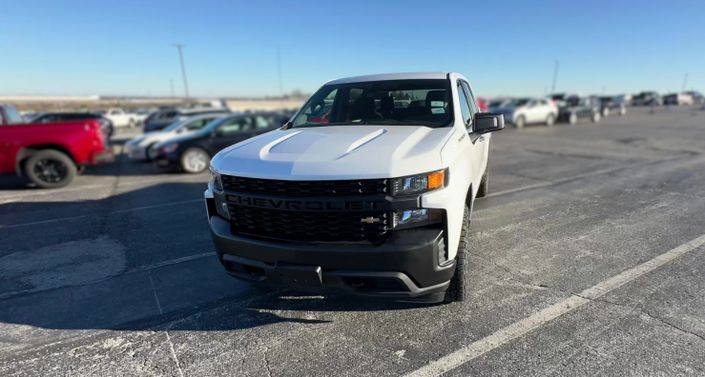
338	152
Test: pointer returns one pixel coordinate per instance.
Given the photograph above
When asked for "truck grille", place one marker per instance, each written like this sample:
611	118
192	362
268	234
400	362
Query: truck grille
308	226
305	188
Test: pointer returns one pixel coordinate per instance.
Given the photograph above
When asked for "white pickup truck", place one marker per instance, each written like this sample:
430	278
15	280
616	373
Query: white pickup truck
121	118
369	188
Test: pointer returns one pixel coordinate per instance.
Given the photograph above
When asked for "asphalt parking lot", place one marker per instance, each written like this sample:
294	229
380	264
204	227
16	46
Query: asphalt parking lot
587	258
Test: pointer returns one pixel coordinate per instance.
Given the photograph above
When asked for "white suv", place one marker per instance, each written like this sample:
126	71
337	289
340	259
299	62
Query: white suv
523	111
369	188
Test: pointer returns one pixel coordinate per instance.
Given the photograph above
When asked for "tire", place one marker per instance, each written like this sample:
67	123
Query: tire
550	120
50	169
622	111
147	157
459	287
573	118
520	122
596	117
194	160
484	184
605	112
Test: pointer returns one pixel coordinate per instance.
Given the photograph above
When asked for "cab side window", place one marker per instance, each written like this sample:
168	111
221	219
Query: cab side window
471	98
465	108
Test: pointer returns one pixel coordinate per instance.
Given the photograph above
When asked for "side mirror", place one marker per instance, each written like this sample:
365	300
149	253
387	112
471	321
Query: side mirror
488	122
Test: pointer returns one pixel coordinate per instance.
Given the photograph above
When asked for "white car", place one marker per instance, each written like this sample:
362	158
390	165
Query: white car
369	188
523	111
122	118
139	147
678	99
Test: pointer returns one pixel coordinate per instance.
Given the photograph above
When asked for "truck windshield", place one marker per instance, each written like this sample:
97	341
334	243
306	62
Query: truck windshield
392	102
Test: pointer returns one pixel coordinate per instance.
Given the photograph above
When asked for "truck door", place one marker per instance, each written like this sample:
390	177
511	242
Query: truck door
6	163
468	108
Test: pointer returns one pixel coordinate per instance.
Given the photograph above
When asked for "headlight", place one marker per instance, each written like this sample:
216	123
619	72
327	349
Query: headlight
415	184
168	148
416	217
216	182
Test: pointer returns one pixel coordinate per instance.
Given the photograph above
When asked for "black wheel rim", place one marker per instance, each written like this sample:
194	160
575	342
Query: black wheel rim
50	171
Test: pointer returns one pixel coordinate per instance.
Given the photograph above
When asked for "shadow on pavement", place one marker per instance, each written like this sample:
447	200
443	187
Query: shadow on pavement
133	260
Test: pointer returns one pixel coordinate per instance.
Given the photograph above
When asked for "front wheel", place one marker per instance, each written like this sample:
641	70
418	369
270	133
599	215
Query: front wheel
550	120
458	288
194	160
50	169
573	118
520	122
596	117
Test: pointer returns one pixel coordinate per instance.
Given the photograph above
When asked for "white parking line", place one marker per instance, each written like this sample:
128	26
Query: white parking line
126	210
579	176
4	199
556	182
528	324
148	268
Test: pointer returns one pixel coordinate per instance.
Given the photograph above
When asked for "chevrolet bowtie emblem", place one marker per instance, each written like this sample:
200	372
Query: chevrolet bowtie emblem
369	220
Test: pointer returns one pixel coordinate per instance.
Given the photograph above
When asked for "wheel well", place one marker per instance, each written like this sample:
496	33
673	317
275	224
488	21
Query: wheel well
468	196
27	152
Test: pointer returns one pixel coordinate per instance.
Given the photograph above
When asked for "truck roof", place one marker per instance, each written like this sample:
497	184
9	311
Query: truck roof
392	76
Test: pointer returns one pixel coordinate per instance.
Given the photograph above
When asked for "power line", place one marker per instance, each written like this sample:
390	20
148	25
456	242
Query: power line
180	47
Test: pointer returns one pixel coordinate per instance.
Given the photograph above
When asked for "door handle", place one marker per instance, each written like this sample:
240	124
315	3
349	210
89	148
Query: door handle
481	138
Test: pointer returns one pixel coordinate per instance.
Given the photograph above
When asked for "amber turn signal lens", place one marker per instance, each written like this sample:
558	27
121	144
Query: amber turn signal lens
436	179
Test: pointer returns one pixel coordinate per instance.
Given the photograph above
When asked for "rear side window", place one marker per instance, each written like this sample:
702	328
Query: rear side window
235	125
267	121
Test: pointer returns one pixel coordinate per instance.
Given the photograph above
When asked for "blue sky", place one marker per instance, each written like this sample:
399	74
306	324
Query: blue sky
79	47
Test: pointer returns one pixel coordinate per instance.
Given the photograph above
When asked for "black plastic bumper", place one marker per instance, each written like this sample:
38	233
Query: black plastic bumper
405	266
166	160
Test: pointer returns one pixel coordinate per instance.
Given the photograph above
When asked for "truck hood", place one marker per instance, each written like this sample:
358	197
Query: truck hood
336	152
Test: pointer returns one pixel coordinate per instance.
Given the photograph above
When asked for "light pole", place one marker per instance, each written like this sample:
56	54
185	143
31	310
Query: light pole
685	82
555	77
180	47
279	72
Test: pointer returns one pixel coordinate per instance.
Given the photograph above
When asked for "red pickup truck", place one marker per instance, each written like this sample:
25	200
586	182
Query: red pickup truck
50	154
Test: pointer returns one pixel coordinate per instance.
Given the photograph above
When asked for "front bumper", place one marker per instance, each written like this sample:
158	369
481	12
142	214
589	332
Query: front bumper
167	160
404	267
136	152
103	157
